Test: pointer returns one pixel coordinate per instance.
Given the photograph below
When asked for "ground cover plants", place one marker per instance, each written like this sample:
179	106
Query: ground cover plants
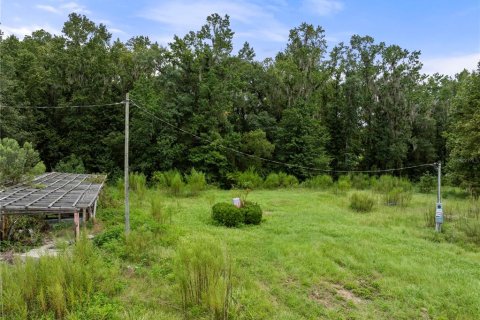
312	256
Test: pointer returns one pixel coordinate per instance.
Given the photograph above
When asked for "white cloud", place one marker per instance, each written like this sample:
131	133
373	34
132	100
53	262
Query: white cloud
181	16
48	8
21	31
74	7
323	7
64	8
450	65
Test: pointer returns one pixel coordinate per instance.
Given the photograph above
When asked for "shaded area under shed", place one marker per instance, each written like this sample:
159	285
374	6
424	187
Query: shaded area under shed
52	193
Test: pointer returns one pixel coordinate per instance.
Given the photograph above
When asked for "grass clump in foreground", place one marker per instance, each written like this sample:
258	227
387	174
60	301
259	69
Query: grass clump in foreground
74	283
204	274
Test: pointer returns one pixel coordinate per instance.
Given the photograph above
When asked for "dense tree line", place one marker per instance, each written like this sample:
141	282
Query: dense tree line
356	106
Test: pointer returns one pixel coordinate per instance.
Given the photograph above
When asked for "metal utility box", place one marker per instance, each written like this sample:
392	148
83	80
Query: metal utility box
439	213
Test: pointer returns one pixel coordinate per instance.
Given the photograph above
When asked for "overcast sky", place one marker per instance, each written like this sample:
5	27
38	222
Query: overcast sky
447	32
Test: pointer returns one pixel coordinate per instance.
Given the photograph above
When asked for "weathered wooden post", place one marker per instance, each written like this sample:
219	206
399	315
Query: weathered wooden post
76	221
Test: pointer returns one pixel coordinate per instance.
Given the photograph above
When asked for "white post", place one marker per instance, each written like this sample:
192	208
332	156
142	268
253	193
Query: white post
127	189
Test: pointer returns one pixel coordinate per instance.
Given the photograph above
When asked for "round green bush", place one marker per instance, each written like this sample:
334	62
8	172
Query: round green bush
252	213
227	214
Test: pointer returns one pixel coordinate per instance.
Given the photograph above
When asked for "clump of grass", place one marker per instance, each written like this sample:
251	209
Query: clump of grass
138	246
362	202
203	272
177	186
427	183
196	182
160	213
138	184
469	221
319	182
342	185
280	180
360	181
53	287
248	179
396	191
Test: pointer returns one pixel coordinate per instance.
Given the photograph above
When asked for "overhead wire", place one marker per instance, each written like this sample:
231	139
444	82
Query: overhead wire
289	165
62	107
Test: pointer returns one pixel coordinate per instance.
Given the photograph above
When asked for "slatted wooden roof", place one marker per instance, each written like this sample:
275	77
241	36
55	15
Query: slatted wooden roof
52	192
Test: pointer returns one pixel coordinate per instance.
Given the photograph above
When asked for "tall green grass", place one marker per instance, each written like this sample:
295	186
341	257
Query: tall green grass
55	287
203	272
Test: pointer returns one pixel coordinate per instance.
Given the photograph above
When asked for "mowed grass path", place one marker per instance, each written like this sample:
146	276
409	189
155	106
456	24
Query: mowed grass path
314	258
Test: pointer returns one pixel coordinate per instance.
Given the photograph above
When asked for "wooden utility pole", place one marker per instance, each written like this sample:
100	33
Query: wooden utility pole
439	207
127	189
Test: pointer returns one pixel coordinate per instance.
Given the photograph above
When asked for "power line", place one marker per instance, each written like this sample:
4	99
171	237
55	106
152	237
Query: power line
289	165
62	107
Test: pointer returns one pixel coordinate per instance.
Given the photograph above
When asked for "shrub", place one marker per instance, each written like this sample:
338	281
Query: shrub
360	181
176	184
18	163
343	184
280	180
252	213
396	191
159	180
109	235
287	180
196	182
362	202
323	181
71	164
272	181
397	196
164	179
427	183
203	272
249	179
227	214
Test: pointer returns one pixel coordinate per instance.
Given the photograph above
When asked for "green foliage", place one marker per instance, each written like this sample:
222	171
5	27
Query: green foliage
164	179
249	179
280	180
395	191
361	202
272	181
138	183
18	163
427	183
23	232
463	135
252	213
54	287
203	272
343	184
177	186
322	182
196	182
71	164
227	214
161	213
110	235
397	196
360	181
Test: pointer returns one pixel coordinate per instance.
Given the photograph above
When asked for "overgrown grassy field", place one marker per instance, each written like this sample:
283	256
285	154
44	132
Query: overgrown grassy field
311	258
